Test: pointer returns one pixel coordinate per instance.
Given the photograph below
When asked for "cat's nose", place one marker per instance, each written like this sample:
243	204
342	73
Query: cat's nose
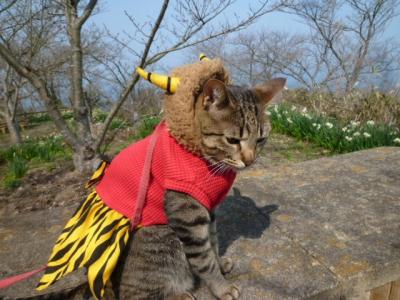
248	157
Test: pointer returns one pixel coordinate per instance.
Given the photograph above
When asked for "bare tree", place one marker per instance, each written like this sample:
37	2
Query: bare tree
9	99
346	41
245	59
254	57
25	36
193	23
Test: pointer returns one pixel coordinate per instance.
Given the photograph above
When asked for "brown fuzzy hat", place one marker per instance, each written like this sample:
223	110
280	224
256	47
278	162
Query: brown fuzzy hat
179	108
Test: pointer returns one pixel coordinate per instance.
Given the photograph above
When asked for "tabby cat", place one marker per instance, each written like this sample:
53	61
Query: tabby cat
211	130
165	261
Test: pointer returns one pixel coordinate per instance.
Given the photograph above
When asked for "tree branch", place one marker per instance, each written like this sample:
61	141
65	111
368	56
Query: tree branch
8	6
86	13
131	84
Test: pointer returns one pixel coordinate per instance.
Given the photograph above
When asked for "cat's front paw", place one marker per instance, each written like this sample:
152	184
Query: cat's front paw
226	265
230	292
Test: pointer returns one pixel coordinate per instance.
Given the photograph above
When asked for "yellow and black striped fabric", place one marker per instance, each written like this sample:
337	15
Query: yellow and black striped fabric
97	175
94	238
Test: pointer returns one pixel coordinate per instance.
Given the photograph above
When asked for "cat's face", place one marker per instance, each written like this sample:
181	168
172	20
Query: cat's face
232	121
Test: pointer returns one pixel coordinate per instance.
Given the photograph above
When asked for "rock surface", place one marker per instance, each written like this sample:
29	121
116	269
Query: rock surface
321	229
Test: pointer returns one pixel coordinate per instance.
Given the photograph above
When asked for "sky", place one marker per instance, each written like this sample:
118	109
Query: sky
112	16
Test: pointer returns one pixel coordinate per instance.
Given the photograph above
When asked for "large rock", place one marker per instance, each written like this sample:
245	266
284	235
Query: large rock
322	229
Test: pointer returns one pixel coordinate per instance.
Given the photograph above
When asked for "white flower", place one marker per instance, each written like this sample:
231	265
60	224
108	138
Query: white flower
348	138
366	134
314	124
356	133
276	108
329	125
285	112
354	123
278	115
318	126
293	108
304	110
308	116
397	140
268	113
370	123
344	129
289	120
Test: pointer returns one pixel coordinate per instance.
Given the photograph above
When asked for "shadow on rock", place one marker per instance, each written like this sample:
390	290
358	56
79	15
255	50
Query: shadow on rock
238	216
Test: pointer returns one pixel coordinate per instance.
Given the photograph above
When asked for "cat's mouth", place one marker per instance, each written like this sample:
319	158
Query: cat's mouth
236	165
225	164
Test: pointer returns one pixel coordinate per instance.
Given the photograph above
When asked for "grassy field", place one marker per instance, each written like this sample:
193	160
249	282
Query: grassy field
330	133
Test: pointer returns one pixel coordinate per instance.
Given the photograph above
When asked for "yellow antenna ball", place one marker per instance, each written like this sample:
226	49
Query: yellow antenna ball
202	56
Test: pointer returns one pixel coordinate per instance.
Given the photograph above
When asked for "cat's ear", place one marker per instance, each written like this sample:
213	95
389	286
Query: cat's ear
265	92
214	94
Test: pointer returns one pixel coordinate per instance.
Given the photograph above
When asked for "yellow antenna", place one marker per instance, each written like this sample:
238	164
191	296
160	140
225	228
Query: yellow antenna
202	56
168	83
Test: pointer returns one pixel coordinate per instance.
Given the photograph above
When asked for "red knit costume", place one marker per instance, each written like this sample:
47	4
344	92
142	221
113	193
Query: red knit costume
173	168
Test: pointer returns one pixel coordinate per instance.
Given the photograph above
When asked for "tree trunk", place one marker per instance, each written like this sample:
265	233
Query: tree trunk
81	112
13	129
85	160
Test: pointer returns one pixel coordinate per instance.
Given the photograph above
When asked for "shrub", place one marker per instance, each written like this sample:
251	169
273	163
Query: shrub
331	133
118	123
18	157
358	105
10	182
100	116
43	149
18	167
68	114
147	125
38	118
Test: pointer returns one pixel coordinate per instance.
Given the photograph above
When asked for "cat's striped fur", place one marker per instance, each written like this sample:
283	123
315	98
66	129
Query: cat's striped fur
168	260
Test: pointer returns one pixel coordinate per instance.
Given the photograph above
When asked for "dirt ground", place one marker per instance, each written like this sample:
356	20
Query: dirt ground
44	188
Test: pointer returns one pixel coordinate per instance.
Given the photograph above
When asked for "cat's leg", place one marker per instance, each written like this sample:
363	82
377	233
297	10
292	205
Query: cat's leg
185	296
191	223
225	264
153	266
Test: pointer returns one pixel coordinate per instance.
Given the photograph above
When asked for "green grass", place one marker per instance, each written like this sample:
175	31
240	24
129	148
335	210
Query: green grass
329	133
100	116
38	118
34	151
147	125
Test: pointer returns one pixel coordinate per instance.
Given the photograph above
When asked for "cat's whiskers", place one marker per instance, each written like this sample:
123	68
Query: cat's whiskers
214	169
220	169
217	168
210	164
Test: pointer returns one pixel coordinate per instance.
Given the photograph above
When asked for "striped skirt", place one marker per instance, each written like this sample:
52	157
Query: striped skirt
93	238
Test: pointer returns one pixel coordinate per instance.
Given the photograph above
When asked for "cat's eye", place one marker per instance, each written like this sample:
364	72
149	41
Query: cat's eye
261	140
233	141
